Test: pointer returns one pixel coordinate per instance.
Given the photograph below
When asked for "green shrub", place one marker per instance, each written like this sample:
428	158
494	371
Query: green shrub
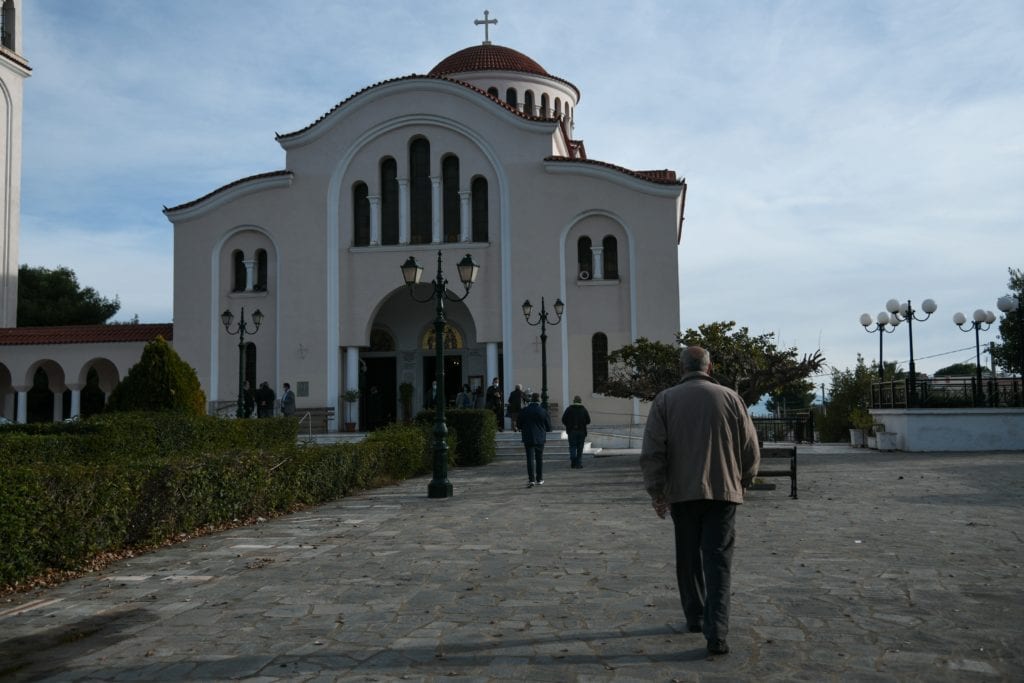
161	380
470	435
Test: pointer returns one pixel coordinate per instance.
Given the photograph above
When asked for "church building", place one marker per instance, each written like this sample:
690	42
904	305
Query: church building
478	156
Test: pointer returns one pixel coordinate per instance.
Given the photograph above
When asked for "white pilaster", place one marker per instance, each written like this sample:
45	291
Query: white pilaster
403	211
435	209
374	219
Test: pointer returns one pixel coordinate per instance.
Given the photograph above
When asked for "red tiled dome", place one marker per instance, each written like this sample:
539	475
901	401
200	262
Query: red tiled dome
487	58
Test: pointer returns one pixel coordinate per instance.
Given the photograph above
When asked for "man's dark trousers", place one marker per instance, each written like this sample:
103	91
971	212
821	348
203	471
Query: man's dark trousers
705	535
535	454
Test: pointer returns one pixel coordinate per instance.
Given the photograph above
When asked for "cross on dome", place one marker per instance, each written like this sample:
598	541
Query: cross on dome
485	21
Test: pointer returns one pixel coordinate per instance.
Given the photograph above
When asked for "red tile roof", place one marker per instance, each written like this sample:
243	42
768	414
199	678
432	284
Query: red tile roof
85	334
661	177
487	58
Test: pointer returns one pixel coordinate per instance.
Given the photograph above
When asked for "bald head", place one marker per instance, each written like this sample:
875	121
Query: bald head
694	358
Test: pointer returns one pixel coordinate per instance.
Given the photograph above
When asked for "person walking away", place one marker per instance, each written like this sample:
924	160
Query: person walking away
575	419
288	401
515	404
699	454
495	403
264	401
535	424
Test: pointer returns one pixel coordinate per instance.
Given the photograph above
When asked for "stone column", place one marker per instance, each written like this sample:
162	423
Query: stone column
597	254
76	400
351	382
435	209
492	364
22	404
465	216
250	274
374	219
403	211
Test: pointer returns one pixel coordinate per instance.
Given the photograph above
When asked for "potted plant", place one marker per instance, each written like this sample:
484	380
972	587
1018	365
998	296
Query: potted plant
350	396
861	421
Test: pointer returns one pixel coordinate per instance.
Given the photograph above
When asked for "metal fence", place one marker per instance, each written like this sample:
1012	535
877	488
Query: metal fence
795	429
949	392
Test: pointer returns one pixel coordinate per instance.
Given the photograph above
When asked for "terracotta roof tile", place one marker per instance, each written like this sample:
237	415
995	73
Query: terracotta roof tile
661	177
85	334
487	58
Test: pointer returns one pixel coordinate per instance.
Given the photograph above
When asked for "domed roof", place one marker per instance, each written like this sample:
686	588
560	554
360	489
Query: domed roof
487	57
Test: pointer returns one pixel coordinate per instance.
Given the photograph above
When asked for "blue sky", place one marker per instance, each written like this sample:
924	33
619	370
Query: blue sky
838	154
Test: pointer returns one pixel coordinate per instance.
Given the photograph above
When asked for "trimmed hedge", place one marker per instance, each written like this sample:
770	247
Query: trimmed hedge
142	479
474	430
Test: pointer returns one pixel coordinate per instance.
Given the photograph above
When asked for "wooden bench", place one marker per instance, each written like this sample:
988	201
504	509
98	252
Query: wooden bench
779	453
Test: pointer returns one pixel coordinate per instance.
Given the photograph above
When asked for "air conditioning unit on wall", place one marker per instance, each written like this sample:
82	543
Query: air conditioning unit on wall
584	274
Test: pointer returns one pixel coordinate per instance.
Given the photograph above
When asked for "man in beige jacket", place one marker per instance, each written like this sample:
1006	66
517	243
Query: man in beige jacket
699	454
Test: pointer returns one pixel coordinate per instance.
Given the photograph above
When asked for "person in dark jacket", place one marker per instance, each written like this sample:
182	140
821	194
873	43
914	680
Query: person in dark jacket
515	404
535	424
576	418
265	401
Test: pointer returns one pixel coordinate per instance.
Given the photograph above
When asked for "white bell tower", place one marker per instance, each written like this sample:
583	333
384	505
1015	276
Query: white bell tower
14	69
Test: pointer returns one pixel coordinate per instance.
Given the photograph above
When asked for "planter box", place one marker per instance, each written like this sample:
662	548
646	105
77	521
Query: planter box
857	438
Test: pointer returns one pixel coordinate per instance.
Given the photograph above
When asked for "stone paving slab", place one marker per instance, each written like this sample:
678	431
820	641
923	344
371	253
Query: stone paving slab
890	567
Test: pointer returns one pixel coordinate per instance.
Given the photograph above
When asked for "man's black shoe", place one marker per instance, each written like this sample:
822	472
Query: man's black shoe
694	627
718	646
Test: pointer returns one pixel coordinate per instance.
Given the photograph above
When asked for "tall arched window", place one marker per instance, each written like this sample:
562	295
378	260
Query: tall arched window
558	107
512	98
493	91
599	359
528	102
389	201
585	258
237	271
261	271
360	215
545	105
450	198
420	191
567	109
7	25
250	365
611	258
479	208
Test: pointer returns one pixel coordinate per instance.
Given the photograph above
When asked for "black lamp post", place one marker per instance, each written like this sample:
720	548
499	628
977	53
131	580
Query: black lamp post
412	271
981	321
884	324
241	330
906	312
542	320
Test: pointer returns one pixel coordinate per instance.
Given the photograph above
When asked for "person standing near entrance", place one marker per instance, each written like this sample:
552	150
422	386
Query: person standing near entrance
535	424
699	454
496	404
575	419
264	401
515	404
288	401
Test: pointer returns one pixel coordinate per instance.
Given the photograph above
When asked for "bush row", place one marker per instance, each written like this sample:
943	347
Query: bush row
135	480
474	430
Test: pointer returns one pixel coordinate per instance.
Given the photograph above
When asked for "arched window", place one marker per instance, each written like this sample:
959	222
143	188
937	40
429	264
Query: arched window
558	108
420	191
261	271
389	201
567	109
512	98
545	105
599	358
7	25
450	198
479	208
360	215
611	258
585	258
237	271
493	91
528	103
250	365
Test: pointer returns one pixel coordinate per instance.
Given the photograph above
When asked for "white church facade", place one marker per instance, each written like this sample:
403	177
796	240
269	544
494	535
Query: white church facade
476	157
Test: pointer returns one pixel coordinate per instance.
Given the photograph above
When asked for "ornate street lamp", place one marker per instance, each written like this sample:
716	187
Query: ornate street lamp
542	320
241	330
906	312
885	324
412	271
982	321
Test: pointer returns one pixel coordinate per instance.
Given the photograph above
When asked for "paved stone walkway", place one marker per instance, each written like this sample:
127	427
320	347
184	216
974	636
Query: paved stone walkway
890	567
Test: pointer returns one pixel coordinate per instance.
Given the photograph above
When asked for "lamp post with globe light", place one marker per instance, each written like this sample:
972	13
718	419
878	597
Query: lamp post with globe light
241	330
412	271
905	312
981	321
543	321
885	324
